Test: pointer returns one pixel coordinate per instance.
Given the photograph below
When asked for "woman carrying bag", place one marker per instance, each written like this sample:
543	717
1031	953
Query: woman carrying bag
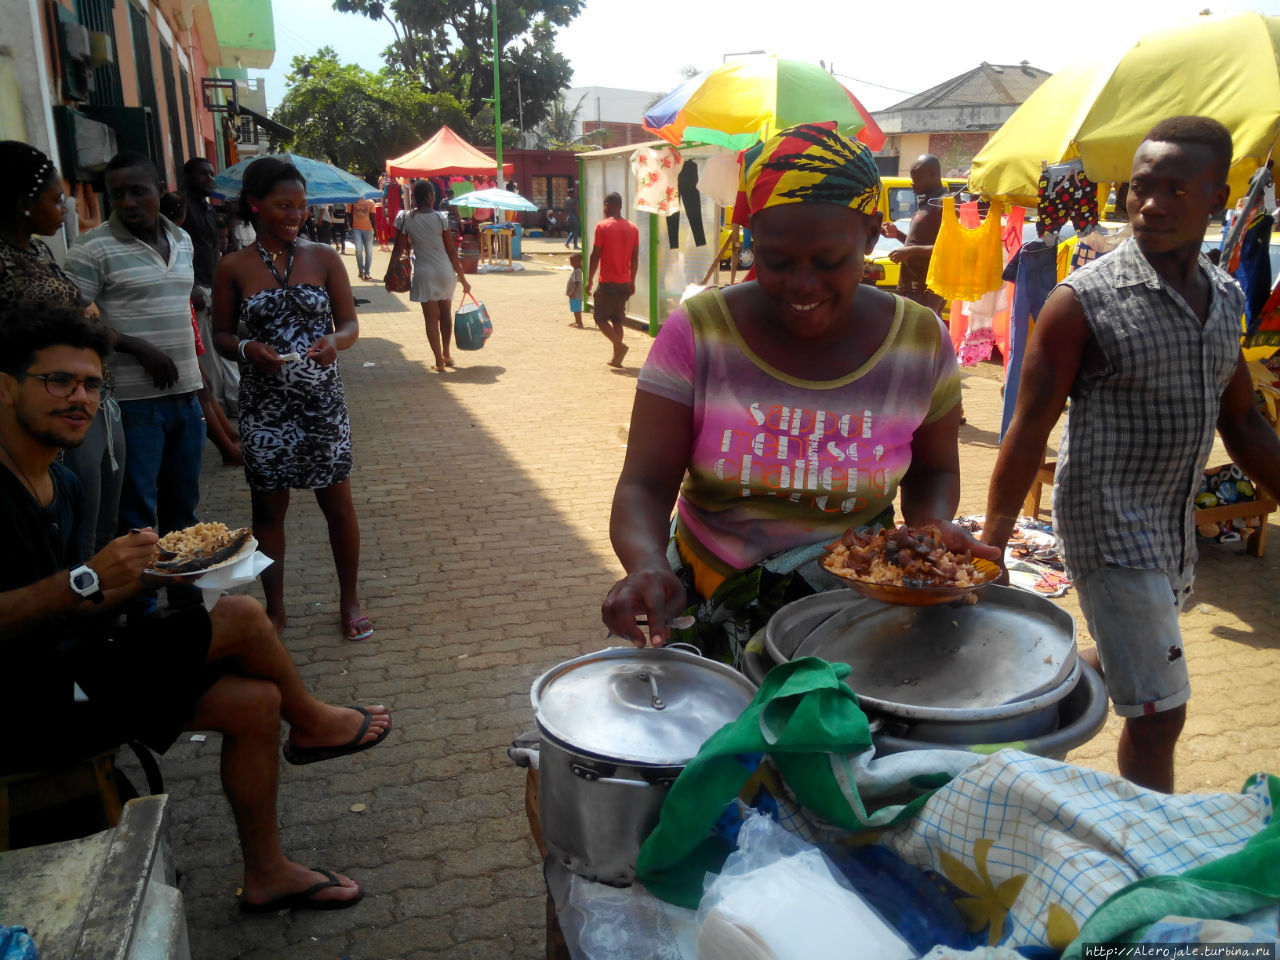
436	267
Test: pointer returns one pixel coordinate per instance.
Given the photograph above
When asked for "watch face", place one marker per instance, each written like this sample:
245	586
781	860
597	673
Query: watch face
83	581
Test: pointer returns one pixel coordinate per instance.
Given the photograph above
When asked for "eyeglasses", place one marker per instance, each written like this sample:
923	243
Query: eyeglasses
63	386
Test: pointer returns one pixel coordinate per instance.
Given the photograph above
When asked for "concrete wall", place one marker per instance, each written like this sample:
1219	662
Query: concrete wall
26	88
944	119
911	146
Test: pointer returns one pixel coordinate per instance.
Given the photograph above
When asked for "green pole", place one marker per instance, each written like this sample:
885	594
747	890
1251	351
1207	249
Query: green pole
653	274
497	97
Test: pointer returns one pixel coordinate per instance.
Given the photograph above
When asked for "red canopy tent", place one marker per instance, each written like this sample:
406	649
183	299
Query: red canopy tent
446	154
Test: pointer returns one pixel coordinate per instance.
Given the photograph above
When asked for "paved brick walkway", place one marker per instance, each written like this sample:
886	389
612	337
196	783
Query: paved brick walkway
484	498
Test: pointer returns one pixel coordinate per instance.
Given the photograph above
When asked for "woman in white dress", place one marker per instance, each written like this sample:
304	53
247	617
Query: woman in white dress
435	267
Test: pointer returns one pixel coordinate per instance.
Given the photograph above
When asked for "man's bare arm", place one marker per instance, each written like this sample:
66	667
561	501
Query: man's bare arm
119	567
1053	360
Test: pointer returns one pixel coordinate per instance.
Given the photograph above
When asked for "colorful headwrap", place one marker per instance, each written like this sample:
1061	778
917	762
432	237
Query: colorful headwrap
808	163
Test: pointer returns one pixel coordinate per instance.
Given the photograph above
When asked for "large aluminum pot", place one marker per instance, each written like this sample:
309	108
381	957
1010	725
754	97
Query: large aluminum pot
617	728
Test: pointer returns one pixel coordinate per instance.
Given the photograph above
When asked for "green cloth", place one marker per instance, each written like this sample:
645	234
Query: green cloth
1232	885
808	720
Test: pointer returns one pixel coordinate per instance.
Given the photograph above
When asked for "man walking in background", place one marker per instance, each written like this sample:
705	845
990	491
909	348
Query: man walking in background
615	252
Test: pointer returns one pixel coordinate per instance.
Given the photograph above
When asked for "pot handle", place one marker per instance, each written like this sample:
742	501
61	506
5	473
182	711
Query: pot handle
592	775
684	646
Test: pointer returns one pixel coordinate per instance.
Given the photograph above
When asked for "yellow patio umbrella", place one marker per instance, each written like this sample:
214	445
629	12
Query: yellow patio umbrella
1223	66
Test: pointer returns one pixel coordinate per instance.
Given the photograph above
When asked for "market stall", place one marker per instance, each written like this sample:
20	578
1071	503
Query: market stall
451	161
649	767
890	779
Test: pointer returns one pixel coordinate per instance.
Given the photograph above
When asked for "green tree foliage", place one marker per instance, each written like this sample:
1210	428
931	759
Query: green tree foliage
356	119
447	46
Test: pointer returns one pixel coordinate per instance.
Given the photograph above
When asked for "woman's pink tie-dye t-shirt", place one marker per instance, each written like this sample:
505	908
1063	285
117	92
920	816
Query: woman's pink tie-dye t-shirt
780	462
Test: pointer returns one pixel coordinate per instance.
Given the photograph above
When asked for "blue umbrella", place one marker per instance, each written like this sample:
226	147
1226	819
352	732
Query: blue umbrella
494	198
325	182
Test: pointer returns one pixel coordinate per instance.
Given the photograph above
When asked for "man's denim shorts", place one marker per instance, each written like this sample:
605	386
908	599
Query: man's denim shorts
1133	618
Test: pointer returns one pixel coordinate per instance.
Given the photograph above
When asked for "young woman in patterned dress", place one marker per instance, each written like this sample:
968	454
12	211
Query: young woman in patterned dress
294	297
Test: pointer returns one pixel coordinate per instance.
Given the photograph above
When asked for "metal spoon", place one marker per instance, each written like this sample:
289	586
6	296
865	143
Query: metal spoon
675	623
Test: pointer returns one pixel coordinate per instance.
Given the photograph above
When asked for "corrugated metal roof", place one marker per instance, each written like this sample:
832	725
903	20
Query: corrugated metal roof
986	85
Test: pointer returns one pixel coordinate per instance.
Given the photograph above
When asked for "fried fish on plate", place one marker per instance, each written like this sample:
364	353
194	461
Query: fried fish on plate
198	548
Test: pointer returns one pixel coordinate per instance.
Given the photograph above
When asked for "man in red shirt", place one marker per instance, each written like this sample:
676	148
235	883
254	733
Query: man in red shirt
616	252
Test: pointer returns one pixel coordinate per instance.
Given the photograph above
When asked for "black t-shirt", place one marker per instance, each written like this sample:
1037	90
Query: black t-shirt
39	541
202	226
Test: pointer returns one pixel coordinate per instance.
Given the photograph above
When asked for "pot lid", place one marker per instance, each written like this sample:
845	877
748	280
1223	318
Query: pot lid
1010	646
652	706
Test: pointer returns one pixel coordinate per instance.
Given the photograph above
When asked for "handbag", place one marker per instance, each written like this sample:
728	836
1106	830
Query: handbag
471	325
399	277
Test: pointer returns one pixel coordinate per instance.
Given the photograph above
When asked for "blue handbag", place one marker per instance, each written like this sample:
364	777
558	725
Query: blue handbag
471	325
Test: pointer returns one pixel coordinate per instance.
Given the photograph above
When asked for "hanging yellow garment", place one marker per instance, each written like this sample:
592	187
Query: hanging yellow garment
966	264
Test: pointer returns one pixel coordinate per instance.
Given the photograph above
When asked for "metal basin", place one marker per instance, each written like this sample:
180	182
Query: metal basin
1010	647
1080	715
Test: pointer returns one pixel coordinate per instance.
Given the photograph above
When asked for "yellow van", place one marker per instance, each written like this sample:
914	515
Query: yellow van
898	199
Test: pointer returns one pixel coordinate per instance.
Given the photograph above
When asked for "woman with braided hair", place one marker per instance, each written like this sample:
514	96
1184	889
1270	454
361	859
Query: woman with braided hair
30	208
779	412
30	279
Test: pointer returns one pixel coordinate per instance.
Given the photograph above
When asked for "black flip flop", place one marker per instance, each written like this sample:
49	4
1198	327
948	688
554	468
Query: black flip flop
298	756
302	900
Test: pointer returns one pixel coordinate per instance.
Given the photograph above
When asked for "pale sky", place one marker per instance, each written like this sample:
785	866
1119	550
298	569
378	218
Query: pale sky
907	47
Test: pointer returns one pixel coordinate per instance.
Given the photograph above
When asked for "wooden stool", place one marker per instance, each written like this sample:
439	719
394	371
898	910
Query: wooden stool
23	793
1044	478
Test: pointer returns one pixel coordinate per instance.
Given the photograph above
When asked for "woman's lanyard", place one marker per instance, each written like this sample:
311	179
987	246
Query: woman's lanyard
271	264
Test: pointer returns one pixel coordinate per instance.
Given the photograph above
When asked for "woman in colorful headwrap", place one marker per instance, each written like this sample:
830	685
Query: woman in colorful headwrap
779	412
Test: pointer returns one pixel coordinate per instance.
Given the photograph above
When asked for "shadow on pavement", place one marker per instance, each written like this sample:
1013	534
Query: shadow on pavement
465	373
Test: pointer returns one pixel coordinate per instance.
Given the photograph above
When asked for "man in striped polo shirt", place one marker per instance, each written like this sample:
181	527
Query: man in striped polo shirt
138	268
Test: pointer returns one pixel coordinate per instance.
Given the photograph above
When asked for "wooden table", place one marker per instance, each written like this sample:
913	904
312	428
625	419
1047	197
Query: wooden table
495	246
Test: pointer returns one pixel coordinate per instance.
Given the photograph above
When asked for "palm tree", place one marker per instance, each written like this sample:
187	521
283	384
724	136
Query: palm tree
557	131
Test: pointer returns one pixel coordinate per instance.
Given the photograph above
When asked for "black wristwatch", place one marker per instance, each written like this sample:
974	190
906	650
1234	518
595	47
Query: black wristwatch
84	582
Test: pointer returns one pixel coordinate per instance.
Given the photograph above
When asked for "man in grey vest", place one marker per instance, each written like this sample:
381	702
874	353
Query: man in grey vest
1145	341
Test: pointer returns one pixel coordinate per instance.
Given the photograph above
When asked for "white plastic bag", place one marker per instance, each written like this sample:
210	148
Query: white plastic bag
778	898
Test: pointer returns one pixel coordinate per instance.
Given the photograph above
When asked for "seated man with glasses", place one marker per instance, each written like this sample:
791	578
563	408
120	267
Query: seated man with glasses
148	679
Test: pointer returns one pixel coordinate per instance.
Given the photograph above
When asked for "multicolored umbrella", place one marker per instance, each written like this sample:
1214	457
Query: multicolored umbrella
1225	66
750	98
325	182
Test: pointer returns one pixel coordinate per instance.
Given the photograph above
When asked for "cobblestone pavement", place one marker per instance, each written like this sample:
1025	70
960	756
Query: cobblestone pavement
484	496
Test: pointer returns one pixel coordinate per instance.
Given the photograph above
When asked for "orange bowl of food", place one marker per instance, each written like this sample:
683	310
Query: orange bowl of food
908	567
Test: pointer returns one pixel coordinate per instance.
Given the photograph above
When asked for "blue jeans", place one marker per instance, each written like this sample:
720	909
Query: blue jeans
164	440
364	251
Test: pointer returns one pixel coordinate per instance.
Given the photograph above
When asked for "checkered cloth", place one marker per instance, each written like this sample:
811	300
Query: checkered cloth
1030	848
